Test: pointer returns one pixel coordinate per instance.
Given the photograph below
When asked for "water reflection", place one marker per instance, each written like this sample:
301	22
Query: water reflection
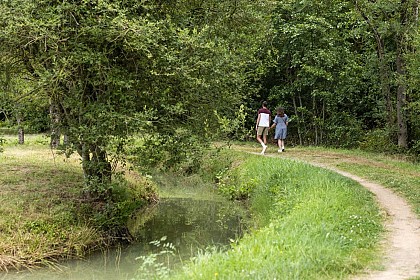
186	223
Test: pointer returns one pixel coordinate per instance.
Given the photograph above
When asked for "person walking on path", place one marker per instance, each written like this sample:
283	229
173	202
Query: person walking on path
263	125
280	123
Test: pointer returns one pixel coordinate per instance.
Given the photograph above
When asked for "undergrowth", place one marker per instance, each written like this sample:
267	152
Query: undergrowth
45	215
312	224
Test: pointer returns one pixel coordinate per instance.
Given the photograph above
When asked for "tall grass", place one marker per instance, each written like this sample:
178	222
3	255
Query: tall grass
37	206
44	215
392	171
313	224
397	172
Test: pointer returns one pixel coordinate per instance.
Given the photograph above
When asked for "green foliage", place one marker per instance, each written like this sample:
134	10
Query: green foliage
178	151
314	225
413	80
378	140
117	69
230	186
313	68
113	203
415	150
234	129
153	266
328	60
216	162
344	131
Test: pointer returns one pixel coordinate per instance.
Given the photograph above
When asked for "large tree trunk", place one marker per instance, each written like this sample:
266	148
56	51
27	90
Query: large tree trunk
401	78
21	135
401	104
96	170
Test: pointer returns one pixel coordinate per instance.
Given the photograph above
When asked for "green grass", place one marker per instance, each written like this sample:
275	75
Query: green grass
396	172
44	215
309	223
37	208
392	171
313	224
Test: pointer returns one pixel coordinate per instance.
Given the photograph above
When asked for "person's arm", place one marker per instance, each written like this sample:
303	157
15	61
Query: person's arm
258	121
287	120
274	123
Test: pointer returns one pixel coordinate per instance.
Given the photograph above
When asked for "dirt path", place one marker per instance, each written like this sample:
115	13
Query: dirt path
402	243
402	247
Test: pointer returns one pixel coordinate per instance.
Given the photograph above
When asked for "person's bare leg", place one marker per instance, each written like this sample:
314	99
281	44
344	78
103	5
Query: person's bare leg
263	143
259	139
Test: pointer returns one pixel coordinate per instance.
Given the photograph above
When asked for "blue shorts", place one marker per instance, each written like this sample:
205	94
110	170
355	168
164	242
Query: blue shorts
280	134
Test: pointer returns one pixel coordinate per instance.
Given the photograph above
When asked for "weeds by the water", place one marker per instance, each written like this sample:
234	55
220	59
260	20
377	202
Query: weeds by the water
156	265
313	225
43	214
37	208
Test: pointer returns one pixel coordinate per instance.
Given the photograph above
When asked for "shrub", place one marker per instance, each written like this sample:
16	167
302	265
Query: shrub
415	150
177	152
378	140
344	131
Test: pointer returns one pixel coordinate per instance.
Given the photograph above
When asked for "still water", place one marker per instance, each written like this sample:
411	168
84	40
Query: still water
183	226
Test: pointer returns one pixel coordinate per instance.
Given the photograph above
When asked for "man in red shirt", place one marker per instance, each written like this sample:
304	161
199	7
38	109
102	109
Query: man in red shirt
262	126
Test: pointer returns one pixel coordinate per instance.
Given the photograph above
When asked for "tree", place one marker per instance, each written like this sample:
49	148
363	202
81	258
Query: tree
15	88
341	68
314	70
391	24
113	69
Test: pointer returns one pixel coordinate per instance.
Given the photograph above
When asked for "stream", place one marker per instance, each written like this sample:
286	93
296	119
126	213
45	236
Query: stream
179	225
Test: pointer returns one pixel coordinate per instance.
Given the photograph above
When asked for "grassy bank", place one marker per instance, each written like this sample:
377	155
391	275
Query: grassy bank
313	224
44	215
392	171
